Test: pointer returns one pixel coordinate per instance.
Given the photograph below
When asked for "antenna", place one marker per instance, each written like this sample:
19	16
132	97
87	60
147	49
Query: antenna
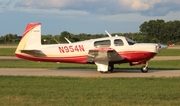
108	33
56	41
67	40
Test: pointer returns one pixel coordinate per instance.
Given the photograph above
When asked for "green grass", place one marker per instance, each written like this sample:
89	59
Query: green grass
153	64
7	51
66	91
169	52
34	64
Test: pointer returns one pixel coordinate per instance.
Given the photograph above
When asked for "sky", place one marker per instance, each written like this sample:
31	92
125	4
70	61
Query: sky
84	16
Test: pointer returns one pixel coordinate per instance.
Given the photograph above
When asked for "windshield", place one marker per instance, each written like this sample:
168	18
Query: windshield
130	42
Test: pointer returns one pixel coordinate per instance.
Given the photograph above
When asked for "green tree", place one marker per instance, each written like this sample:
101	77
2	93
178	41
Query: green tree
63	35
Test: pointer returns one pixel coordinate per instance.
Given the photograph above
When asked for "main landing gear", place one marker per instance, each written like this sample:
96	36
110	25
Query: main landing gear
144	69
110	69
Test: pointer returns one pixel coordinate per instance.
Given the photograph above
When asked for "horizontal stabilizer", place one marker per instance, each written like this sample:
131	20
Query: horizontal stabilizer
37	53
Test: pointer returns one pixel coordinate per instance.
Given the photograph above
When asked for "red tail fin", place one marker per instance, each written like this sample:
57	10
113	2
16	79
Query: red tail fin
29	27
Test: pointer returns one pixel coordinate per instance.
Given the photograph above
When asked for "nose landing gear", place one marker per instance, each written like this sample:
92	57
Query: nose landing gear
144	69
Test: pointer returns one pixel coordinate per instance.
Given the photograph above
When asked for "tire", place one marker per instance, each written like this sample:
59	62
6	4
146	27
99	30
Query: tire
110	67
103	72
144	69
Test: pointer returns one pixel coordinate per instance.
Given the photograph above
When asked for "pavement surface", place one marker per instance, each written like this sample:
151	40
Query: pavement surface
86	73
8	46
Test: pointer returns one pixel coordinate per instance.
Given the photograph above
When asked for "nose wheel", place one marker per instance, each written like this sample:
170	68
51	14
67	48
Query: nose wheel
144	69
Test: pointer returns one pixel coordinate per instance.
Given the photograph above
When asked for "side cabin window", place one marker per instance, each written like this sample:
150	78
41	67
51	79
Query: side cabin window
102	43
118	42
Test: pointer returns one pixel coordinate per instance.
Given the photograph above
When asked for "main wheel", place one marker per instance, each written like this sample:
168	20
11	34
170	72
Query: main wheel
103	72
110	67
144	69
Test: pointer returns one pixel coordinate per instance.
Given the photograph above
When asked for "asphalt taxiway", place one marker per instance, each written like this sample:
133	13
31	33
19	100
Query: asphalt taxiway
86	73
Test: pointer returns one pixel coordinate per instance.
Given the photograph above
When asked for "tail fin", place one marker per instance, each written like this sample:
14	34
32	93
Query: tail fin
31	37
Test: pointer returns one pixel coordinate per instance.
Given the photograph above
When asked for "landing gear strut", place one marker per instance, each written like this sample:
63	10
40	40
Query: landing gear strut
144	69
110	68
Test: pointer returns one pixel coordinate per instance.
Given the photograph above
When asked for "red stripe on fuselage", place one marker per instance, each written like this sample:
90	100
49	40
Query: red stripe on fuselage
129	57
75	59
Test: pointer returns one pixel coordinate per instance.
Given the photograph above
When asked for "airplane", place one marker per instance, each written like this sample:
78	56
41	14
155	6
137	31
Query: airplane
104	52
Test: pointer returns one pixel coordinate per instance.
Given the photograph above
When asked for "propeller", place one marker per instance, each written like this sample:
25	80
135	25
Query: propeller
161	47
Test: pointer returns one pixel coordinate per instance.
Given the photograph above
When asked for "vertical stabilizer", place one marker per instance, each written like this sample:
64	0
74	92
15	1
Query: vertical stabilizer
31	37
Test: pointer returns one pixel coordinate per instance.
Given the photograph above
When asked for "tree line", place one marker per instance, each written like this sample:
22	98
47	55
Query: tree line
153	31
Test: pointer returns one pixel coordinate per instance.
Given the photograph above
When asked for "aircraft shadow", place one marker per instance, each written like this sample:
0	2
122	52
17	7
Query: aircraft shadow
117	70
137	70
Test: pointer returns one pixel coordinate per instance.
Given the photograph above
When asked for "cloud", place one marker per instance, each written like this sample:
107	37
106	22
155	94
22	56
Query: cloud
60	4
107	7
150	7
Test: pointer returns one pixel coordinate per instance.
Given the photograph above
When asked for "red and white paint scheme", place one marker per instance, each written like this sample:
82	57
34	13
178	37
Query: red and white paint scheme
104	52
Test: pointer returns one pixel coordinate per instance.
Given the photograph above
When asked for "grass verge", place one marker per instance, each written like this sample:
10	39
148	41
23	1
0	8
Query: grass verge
7	51
66	91
169	52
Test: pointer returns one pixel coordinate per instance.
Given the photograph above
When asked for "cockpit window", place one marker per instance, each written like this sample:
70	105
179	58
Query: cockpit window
118	42
130	42
102	43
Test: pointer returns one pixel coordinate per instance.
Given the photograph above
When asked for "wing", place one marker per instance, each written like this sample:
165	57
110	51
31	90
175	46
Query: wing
36	53
103	54
102	57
